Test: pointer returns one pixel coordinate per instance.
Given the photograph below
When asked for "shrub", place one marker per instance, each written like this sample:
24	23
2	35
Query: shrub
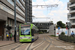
62	33
53	36
40	32
63	37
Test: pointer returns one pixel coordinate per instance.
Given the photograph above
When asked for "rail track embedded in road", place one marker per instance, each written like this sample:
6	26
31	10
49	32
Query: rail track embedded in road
49	43
16	47
52	44
34	46
29	47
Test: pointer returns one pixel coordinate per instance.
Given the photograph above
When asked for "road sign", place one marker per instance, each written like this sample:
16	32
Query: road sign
58	28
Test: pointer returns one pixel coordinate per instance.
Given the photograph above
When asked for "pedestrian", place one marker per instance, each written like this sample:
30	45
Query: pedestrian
7	35
11	36
72	34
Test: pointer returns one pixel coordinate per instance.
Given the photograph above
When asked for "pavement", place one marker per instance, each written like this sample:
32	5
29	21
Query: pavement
4	43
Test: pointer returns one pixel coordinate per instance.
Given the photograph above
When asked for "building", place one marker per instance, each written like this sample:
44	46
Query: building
71	14
7	15
43	25
28	9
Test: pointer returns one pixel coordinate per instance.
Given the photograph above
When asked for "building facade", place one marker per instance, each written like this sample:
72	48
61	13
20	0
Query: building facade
7	15
28	10
43	25
71	14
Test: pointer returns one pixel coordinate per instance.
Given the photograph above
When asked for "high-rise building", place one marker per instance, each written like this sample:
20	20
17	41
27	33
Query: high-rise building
28	10
71	14
7	15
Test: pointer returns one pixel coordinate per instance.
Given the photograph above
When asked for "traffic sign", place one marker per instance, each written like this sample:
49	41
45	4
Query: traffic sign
58	28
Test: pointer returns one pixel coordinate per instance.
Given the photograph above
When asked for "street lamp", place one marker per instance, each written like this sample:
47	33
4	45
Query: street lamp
15	20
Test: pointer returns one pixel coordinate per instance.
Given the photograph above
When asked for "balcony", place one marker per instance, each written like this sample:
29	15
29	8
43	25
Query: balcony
72	23
72	5
72	11
68	4
72	0
72	17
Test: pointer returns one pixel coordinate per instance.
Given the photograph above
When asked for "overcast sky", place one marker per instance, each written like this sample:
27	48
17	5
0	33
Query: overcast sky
44	14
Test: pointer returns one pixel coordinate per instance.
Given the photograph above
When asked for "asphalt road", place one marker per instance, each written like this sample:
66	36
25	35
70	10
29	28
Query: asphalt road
44	42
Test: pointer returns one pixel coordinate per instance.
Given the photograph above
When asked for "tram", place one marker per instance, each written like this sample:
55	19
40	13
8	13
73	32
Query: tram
28	32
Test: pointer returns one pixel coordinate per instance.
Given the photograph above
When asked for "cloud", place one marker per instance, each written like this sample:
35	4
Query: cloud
56	14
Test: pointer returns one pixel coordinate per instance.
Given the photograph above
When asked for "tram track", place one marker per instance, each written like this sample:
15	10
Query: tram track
52	44
49	43
16	47
29	47
44	40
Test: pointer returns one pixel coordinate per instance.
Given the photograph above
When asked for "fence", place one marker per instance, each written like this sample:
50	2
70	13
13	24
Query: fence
66	31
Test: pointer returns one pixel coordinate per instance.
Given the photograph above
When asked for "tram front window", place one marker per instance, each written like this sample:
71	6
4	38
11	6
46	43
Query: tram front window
25	31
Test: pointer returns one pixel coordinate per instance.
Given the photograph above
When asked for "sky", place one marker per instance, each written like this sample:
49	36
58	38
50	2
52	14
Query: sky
55	14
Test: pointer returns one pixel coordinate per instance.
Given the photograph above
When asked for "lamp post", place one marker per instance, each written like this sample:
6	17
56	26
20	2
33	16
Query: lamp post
15	20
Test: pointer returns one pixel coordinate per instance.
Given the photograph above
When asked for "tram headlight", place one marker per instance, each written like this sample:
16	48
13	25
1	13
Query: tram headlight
21	37
28	37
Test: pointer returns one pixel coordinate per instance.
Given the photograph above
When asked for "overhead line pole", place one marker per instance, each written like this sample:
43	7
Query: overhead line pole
15	20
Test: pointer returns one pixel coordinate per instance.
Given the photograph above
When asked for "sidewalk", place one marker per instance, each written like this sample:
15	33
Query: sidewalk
4	43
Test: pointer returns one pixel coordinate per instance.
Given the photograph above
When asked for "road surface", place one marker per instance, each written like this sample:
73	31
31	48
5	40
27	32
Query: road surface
44	42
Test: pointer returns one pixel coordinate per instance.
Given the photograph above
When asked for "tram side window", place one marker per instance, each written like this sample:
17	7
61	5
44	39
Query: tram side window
32	32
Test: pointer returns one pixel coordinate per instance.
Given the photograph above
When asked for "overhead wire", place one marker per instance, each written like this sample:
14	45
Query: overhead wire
50	7
47	6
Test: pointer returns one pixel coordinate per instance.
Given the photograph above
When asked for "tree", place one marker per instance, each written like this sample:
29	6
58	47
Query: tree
60	24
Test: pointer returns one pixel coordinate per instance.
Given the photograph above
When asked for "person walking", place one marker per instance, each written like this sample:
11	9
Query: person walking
11	36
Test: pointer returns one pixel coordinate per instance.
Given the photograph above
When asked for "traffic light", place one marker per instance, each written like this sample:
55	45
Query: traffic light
68	25
8	27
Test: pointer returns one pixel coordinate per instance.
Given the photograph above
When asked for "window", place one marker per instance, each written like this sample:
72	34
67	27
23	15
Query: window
25	30
5	8
20	4
32	32
20	10
11	2
23	2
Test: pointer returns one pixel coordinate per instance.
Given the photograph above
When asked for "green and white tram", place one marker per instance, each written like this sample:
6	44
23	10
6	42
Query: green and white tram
28	32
